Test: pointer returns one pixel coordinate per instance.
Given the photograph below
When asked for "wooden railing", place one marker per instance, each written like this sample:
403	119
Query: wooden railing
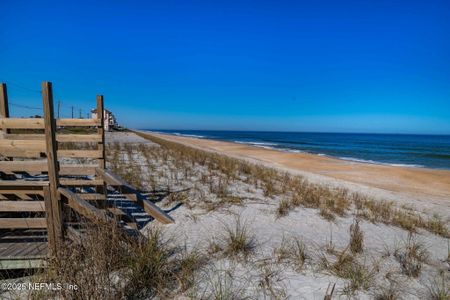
37	147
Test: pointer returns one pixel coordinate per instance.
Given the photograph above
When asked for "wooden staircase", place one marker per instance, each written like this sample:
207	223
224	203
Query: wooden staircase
45	196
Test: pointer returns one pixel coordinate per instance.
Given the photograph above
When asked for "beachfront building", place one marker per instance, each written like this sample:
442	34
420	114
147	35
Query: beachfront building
109	118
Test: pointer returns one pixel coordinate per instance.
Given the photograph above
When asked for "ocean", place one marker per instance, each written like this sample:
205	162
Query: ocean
421	151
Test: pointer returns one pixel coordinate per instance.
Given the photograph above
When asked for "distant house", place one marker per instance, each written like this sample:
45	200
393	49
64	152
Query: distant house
109	118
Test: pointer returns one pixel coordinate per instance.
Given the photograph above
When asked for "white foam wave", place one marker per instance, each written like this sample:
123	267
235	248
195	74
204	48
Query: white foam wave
271	146
290	150
256	143
188	135
369	161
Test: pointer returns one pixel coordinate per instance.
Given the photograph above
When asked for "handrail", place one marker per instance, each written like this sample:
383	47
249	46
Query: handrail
83	207
148	206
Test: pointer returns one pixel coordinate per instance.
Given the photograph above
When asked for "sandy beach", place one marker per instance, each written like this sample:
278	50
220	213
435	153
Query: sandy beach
428	189
206	201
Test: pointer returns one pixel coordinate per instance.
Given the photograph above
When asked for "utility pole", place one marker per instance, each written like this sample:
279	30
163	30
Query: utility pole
80	114
59	108
72	111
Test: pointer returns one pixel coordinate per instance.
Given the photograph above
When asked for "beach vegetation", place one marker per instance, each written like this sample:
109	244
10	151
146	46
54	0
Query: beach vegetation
283	208
269	281
239	241
293	252
411	256
185	162
109	264
356	237
439	287
392	291
345	265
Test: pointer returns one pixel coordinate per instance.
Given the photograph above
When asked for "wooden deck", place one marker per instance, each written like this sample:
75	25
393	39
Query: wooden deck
23	249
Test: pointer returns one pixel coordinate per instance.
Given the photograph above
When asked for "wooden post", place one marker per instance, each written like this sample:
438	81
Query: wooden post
49	217
101	130
52	161
101	145
4	107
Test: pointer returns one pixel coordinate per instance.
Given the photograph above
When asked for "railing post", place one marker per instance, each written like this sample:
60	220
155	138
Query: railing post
51	237
4	107
101	130
52	161
101	145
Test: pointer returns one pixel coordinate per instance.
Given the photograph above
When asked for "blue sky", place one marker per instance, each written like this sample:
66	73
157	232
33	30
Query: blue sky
335	66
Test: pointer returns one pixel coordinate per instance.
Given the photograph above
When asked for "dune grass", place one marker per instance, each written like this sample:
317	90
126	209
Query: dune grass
108	264
297	191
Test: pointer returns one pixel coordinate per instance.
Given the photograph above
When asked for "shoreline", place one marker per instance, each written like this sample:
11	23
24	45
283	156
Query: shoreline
428	189
279	147
209	196
348	159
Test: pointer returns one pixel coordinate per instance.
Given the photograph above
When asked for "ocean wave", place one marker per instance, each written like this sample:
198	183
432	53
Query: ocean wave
290	150
271	146
256	143
369	161
188	135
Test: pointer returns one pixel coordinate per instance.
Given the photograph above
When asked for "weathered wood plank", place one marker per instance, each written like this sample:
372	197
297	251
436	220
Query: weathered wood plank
101	145
23	166
31	145
52	162
81	182
11	206
101	131
62	138
80	153
22	123
23	153
77	169
35	167
4	191
22	148
22	223
110	178
77	122
78	138
82	207
12	184
51	234
24	136
92	196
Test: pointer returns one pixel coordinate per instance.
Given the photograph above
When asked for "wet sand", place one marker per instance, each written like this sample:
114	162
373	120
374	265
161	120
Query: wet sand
419	183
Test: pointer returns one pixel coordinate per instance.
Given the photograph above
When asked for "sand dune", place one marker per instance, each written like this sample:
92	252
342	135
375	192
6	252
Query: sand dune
428	188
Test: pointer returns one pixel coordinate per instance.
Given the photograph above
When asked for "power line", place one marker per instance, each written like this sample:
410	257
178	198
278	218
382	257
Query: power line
60	105
22	87
24	106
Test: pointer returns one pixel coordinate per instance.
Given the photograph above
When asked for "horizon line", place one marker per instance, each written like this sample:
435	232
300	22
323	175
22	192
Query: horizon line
293	131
